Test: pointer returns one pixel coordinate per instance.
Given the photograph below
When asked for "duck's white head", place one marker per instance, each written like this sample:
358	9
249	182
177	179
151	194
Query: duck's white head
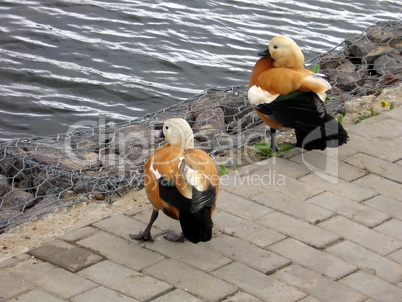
286	53
178	133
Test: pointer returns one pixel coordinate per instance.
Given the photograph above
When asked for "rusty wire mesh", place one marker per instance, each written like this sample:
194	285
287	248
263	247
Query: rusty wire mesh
39	175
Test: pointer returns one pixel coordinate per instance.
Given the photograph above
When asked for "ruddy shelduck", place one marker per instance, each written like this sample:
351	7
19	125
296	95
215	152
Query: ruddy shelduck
182	182
286	95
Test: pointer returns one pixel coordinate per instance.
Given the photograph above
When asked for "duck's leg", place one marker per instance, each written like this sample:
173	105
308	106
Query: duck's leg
174	237
146	234
273	144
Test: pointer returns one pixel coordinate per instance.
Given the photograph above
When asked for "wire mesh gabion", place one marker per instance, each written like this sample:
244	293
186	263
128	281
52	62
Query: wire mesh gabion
39	175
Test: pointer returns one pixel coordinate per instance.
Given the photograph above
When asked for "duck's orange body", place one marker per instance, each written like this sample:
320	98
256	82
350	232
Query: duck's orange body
281	80
166	161
286	95
182	182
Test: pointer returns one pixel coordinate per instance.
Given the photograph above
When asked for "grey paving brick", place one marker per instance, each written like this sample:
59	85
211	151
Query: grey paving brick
125	280
392	228
381	185
386	204
53	279
14	260
65	255
294	188
350	209
296	208
300	230
240	206
244	229
373	287
36	296
161	225
177	295
122	225
342	188
384	149
102	294
377	166
11	286
261	181
292	152
243	170
310	299
191	280
361	235
258	284
249	185
316	285
125	252
79	234
381	128
313	259
396	256
242	297
198	255
393	114
284	166
367	260
339	153
249	254
329	162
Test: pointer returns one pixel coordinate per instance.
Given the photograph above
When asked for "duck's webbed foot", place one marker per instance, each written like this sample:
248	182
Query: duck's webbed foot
146	234
174	237
142	236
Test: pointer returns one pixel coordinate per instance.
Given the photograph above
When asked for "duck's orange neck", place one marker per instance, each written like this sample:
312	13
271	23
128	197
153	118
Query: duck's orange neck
262	64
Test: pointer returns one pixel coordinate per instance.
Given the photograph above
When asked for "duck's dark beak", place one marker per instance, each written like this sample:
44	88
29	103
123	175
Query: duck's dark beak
264	53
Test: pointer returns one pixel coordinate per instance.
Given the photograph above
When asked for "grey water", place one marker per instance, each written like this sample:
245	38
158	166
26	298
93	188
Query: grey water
75	62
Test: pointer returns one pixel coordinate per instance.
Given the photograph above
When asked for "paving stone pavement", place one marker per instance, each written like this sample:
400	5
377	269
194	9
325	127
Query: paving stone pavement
310	226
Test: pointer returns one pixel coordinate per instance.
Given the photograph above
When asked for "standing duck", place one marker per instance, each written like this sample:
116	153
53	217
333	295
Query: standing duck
286	95
182	182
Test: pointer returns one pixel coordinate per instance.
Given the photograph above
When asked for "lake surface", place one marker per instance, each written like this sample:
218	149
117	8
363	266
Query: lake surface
69	62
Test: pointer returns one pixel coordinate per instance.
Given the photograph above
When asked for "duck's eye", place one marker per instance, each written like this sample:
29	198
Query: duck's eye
166	127
275	46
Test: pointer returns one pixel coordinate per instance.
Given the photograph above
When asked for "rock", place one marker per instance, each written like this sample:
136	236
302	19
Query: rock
372	58
391	94
41	183
386	33
334	106
331	61
360	46
4	185
235	105
18	199
251	119
49	203
348	81
210	121
386	65
136	155
6	216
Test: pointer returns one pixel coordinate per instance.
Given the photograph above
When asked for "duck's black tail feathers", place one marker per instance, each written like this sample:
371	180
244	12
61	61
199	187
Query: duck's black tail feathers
325	133
306	113
196	226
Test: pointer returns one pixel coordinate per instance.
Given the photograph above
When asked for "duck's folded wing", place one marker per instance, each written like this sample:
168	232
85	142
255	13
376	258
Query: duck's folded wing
299	109
169	193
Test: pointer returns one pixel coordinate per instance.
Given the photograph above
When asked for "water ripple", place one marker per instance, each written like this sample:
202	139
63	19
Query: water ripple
68	60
